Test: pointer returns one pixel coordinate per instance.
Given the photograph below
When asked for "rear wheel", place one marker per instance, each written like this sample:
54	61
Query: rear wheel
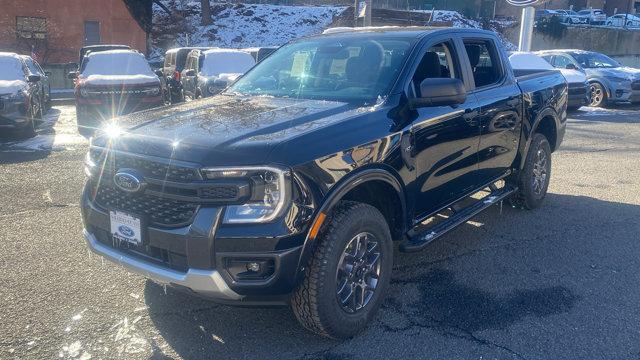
533	180
348	274
598	94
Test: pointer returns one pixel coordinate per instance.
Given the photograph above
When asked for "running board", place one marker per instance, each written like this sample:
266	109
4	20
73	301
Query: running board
420	240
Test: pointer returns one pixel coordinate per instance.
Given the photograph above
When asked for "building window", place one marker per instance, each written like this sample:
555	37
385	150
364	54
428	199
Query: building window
31	27
91	32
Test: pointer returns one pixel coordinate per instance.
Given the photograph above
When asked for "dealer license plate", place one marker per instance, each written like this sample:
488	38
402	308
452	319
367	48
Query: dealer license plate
125	227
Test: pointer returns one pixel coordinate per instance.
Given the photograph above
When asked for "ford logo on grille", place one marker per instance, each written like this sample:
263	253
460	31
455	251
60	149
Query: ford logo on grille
128	180
126	231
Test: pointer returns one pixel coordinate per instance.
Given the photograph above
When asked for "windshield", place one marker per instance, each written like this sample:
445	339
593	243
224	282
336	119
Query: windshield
226	62
116	63
328	68
11	69
594	60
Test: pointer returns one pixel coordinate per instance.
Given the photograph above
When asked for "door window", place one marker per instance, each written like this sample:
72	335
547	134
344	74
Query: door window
484	61
561	61
437	62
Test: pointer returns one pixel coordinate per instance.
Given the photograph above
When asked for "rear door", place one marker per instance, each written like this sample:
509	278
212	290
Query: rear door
444	138
500	106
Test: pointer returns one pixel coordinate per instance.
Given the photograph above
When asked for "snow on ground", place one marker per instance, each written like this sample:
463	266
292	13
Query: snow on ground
247	25
57	132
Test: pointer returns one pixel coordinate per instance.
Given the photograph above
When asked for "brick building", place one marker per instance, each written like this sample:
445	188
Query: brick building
55	30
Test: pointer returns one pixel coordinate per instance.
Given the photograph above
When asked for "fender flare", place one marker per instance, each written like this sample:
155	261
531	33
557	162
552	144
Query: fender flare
337	192
543	114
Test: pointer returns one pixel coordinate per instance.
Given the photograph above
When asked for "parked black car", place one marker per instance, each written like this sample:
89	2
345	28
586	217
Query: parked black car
112	83
174	62
209	72
22	94
290	186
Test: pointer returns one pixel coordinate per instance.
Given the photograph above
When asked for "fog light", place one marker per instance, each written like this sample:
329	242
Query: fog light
253	266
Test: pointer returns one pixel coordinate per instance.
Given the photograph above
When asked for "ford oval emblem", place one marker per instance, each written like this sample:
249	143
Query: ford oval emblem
126	231
127	181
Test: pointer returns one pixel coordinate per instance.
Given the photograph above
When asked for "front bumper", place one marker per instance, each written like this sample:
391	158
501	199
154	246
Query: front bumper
206	282
200	257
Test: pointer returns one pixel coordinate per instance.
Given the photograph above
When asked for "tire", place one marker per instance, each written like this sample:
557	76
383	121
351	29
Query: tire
29	130
532	189
315	302
598	94
570	21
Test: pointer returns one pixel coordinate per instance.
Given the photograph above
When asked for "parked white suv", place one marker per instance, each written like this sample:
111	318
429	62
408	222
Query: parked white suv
595	16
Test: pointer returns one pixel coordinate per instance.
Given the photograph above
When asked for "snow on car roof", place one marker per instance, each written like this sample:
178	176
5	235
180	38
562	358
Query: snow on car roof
527	60
11	67
226	61
117	67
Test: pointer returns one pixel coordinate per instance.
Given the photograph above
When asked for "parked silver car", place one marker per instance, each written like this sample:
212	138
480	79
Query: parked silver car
623	20
572	17
610	81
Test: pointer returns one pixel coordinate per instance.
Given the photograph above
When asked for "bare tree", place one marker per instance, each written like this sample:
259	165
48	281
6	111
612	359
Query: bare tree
206	12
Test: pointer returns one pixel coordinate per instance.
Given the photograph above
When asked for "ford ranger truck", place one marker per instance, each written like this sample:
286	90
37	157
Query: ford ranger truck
291	186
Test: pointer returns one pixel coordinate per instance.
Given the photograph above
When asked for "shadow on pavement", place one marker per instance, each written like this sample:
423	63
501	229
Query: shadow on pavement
15	150
431	289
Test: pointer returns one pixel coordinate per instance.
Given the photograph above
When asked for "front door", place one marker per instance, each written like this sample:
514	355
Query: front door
445	138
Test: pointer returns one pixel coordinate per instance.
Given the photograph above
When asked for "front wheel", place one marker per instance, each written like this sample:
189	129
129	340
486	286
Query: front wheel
598	94
348	274
533	180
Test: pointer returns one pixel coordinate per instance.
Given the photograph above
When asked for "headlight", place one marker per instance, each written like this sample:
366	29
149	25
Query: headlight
84	92
270	193
617	79
89	164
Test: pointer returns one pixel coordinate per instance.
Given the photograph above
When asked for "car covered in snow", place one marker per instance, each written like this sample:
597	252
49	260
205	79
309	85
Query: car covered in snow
22	95
609	81
174	62
114	82
576	79
208	72
291	185
623	20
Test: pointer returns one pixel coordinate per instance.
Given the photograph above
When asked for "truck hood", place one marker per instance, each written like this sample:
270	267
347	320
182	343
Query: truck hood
224	130
621	72
12	86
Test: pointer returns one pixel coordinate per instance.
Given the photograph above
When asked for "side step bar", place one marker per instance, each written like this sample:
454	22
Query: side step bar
420	240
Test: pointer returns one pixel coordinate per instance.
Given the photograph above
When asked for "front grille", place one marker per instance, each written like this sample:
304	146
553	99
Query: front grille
221	192
635	85
148	168
157	210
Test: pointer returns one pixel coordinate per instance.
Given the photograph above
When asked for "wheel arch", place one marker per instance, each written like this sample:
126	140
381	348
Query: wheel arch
547	122
364	180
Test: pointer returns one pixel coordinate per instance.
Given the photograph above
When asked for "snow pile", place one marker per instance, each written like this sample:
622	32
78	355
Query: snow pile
223	61
238	25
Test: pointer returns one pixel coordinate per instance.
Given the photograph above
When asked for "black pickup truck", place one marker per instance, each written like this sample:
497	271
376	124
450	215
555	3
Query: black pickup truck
291	185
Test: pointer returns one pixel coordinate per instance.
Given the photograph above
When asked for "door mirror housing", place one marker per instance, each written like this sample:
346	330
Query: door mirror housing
440	92
570	67
72	75
190	72
33	78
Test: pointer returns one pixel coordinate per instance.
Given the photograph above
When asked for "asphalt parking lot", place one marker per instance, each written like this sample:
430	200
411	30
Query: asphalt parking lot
561	282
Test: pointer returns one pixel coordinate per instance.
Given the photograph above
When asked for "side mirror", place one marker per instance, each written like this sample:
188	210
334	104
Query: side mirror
159	73
72	75
48	73
190	72
34	78
440	92
570	67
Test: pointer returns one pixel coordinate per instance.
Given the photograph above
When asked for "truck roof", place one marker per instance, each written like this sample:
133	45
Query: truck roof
393	31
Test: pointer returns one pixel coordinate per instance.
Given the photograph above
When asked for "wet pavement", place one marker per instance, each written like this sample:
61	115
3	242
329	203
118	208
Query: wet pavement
558	282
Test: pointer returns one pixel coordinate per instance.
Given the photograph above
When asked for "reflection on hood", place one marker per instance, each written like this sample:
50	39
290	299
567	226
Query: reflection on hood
12	86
